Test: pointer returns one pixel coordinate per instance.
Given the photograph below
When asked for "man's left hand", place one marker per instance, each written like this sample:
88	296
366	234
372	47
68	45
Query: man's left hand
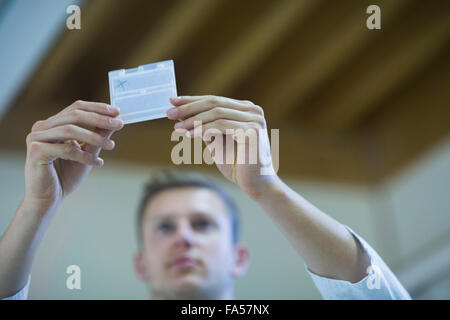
230	118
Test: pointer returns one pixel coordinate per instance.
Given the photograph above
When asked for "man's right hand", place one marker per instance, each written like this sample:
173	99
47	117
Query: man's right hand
56	162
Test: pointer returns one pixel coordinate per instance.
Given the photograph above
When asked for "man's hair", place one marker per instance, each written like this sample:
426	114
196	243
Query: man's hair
171	179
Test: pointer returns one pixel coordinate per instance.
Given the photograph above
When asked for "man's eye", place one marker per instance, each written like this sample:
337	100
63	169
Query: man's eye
202	224
165	227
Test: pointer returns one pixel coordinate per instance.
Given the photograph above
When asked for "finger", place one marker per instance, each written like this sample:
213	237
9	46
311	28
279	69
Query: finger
71	132
74	143
184	111
106	134
45	153
220	113
227	127
177	101
185	99
81	118
97	107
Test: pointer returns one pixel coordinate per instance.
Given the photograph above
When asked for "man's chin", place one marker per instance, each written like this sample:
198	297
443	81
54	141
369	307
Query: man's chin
187	284
189	287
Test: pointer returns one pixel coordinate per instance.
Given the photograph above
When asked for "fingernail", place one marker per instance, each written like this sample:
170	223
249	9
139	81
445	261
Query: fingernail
179	124
99	161
116	122
112	108
109	144
172	112
176	98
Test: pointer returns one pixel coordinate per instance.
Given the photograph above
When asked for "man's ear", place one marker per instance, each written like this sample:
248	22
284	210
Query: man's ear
242	260
139	267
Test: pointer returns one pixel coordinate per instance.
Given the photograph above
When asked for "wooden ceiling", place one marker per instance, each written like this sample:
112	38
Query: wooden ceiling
353	105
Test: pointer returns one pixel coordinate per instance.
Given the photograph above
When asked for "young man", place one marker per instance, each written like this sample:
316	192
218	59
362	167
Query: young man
188	235
187	244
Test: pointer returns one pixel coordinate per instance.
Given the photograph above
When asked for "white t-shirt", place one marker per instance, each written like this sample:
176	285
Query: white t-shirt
379	284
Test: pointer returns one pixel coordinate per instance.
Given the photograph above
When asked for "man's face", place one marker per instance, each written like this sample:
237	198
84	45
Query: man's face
187	248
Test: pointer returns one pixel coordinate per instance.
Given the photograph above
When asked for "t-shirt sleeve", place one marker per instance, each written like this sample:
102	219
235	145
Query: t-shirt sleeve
22	294
379	284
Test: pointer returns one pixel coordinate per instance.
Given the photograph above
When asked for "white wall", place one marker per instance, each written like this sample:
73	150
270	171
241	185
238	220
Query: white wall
95	230
419	198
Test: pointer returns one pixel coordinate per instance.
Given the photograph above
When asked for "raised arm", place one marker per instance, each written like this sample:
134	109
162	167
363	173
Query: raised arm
326	246
56	163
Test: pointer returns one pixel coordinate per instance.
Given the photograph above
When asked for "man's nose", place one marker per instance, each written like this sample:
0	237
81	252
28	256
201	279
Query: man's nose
184	235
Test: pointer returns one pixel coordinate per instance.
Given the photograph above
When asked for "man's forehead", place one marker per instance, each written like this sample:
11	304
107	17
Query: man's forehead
185	201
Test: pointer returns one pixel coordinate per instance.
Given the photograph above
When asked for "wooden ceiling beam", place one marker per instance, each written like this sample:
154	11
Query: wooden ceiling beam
381	74
413	123
253	46
174	32
330	50
171	35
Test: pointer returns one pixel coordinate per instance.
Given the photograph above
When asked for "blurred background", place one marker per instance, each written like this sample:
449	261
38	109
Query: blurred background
364	119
